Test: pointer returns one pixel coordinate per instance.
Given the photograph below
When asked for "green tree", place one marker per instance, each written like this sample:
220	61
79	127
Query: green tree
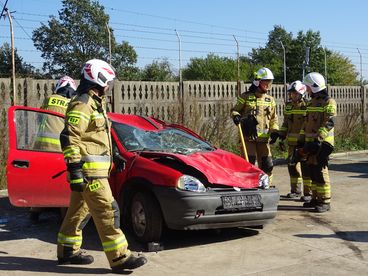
158	71
22	69
80	34
340	70
216	68
271	56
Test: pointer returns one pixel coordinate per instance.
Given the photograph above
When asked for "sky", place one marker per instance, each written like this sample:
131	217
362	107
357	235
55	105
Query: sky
205	26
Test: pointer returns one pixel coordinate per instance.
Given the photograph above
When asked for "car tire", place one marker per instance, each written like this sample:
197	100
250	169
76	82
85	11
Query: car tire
146	217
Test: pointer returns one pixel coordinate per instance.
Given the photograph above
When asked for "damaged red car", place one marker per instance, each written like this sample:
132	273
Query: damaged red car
165	175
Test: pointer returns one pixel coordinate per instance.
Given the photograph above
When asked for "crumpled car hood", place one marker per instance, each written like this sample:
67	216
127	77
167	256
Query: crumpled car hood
220	167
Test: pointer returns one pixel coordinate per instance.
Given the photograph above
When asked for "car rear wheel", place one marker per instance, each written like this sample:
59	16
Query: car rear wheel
146	217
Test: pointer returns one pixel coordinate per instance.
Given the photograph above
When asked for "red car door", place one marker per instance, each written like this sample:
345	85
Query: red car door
36	175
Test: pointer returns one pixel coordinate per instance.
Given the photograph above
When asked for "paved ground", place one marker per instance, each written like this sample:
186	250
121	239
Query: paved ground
298	242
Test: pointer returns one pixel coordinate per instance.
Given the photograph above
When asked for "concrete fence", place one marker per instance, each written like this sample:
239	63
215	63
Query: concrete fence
194	105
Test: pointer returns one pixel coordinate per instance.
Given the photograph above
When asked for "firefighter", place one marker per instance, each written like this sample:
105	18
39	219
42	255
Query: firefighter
294	116
256	111
47	138
49	131
64	90
86	145
319	140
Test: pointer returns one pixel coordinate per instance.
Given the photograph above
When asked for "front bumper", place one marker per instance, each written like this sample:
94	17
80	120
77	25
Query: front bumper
180	208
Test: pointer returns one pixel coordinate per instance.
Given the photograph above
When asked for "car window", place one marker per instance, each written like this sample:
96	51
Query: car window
38	131
167	140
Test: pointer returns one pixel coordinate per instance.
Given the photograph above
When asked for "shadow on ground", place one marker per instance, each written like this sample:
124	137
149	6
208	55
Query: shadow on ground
18	225
358	167
10	263
355	236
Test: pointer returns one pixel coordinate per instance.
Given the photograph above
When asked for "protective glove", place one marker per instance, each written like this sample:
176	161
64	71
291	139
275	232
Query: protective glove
312	147
282	136
324	153
77	180
273	136
119	162
282	146
237	119
300	144
249	126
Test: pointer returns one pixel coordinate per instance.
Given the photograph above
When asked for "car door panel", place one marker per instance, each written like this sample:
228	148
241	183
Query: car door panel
36	177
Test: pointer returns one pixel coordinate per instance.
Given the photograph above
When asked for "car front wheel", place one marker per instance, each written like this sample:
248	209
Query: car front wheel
146	217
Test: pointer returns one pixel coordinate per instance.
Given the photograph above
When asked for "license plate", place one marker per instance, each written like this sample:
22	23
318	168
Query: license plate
241	201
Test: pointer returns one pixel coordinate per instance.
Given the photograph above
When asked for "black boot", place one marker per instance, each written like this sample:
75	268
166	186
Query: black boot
322	207
306	198
293	195
78	258
310	204
131	263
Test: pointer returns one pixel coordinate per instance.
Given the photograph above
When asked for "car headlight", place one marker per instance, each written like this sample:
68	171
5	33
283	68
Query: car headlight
190	183
264	181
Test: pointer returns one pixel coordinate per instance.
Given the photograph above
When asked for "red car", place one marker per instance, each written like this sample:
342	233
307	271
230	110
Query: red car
170	176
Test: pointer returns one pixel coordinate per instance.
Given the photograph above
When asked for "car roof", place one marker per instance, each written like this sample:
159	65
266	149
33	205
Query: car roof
142	122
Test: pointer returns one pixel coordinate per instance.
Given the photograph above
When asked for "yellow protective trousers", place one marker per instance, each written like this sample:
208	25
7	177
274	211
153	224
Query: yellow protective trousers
262	153
299	174
321	187
96	201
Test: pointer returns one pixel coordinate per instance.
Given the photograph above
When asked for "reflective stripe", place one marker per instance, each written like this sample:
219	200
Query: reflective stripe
73	240
326	189
307	182
52	141
295	180
96	161
76	181
115	244
264	133
315	109
96	158
240	100
70	151
78	114
47	137
296	112
97	116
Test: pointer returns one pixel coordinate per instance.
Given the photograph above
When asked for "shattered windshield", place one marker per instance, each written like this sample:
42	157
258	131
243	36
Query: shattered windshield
165	140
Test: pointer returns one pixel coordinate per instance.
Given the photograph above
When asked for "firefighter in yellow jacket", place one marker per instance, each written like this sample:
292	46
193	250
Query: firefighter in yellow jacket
47	138
294	116
256	111
50	127
86	145
319	140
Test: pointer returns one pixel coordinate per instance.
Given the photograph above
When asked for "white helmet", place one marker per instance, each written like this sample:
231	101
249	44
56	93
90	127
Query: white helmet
65	81
98	71
262	74
315	81
298	87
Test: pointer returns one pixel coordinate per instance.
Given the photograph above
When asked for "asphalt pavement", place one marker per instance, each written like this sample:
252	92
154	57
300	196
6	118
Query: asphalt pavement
298	242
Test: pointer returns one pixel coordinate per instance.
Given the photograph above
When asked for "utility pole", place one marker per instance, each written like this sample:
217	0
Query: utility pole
361	67
12	49
285	89
238	64
108	31
306	61
180	80
324	50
